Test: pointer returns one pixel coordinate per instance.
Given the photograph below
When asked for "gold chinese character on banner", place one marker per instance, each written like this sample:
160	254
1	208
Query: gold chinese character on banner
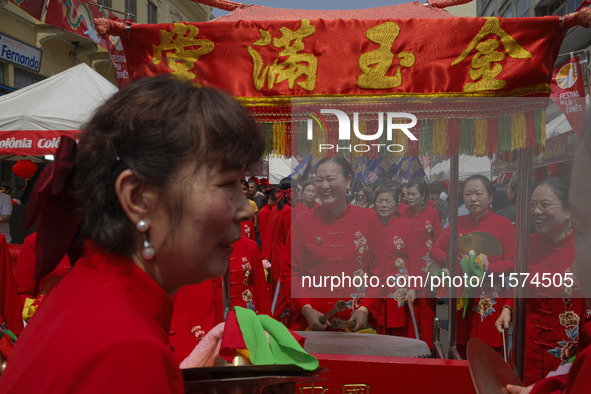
375	64
356	389
486	65
313	390
295	66
181	49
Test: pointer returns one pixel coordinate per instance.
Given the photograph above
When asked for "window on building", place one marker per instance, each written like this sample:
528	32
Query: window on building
152	13
131	8
23	78
106	3
1	73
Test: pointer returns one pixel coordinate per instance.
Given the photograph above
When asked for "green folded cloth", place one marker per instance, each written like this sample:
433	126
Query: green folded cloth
281	348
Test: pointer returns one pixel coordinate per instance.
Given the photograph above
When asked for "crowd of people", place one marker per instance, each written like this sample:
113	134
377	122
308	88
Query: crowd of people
154	246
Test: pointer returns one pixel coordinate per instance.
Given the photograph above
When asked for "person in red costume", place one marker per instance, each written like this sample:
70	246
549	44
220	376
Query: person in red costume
337	239
156	180
484	309
402	254
28	287
277	235
308	198
577	378
198	308
265	213
553	314
427	227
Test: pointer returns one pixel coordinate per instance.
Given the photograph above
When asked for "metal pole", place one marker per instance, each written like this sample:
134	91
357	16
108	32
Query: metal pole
452	251
524	168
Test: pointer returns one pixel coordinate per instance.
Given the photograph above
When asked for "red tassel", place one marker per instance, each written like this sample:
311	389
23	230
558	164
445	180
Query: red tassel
492	139
530	121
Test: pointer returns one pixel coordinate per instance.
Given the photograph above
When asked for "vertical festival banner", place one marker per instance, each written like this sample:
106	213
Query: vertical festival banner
77	16
568	91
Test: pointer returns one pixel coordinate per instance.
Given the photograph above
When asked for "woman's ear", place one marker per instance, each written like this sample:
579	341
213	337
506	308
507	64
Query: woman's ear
136	197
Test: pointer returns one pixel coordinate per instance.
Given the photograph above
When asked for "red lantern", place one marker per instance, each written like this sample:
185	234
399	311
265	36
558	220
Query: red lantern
24	169
265	182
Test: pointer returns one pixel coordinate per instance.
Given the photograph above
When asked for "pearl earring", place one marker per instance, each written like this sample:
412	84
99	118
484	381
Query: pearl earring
147	249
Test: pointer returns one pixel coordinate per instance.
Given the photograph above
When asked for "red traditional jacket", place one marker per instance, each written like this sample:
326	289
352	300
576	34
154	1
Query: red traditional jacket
299	208
402	254
104	329
348	245
198	308
578	379
552	313
10	306
264	214
427	227
27	286
485	307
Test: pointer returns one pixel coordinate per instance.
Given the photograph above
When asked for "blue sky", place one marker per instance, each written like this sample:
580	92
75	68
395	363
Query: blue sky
317	4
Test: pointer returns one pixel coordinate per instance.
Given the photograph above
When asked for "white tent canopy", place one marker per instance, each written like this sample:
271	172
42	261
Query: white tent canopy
468	166
61	102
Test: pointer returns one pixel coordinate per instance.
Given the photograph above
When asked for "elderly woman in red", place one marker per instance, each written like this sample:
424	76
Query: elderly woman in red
427	227
402	254
484	309
157	179
338	240
553	314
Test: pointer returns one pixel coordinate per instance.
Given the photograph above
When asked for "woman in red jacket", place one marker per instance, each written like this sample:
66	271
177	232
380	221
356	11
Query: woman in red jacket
337	240
156	180
427	227
553	314
485	307
402	254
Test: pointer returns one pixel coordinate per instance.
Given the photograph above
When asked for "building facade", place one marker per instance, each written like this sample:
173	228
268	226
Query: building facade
47	50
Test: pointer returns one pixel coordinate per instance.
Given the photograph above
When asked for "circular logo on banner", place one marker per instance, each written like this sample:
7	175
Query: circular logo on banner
566	76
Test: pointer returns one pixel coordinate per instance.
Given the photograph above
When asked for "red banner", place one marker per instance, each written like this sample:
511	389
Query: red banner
32	7
32	142
429	57
568	89
77	16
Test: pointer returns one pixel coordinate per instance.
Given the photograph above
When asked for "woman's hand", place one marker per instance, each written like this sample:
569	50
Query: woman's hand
503	320
411	295
313	317
359	316
512	389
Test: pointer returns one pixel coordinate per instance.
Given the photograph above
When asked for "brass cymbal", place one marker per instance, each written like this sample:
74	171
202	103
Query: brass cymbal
490	373
480	242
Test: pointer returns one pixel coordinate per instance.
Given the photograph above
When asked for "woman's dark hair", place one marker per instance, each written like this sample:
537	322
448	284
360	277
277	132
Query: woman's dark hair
341	161
500	199
245	183
560	187
485	181
392	190
155	127
421	187
269	194
284	184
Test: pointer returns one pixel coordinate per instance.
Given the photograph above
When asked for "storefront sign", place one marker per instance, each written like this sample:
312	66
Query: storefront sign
20	53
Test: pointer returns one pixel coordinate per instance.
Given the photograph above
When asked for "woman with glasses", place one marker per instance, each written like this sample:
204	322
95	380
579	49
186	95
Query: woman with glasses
485	304
553	312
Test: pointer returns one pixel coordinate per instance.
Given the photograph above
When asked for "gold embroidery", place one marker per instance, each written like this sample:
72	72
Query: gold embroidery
485	66
297	64
181	49
313	389
356	389
375	64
